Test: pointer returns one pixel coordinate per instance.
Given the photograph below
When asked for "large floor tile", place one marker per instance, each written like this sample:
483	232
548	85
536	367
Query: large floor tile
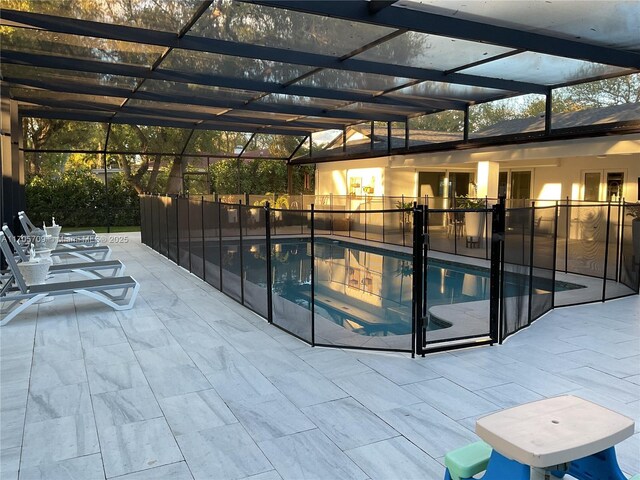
13	395
163	357
270	475
241	384
618	367
399	369
395	458
348	424
451	399
196	411
118	376
56	402
10	463
88	467
304	388
428	428
169	382
215	357
376	392
103	337
125	406
160	337
138	446
462	372
334	363
608	384
508	395
174	471
47	374
59	352
310	455
109	354
11	427
225	452
59	439
272	417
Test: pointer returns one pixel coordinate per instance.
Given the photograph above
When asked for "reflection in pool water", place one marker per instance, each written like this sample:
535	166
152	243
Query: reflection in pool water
365	290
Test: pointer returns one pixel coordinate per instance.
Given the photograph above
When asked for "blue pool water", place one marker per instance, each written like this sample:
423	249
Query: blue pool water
368	290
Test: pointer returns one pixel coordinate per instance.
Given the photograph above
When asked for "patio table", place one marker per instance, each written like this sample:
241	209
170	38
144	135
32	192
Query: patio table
565	434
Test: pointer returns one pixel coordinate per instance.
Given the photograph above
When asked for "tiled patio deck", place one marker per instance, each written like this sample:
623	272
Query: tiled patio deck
191	385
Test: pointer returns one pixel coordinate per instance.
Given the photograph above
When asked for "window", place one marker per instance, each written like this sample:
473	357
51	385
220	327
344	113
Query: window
592	186
521	185
615	181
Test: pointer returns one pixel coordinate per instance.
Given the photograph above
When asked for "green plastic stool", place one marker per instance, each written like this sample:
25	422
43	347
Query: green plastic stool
467	461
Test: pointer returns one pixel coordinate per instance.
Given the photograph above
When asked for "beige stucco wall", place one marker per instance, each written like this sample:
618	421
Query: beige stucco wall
557	167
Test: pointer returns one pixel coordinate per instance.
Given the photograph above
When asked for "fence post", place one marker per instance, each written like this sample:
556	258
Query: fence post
567	235
606	253
141	200
204	264
220	239
240	252
402	221
495	280
177	198
417	337
269	272
365	219
313	280
425	260
455	226
486	228
188	199
531	259
555	257
166	220
621	255
151	211
383	215
618	238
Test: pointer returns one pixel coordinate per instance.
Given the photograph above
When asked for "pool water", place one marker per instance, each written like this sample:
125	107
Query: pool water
368	290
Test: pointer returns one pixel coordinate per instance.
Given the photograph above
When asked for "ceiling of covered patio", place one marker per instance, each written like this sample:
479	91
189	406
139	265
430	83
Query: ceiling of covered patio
301	67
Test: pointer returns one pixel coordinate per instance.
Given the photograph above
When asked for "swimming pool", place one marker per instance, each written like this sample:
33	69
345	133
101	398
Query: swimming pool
367	290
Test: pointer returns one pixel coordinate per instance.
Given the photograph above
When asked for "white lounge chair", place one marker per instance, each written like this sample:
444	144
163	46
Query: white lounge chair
81	237
97	269
83	252
16	295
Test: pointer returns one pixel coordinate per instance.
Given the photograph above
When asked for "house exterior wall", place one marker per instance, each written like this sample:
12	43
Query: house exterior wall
557	168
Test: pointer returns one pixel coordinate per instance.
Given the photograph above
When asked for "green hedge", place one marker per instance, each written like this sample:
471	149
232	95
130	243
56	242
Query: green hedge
78	198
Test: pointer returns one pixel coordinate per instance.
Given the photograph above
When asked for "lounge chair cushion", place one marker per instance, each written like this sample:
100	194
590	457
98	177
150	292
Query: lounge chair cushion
61	288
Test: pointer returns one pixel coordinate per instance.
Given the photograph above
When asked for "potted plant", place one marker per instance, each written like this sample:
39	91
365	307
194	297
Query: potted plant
281	203
35	270
258	213
406	215
474	222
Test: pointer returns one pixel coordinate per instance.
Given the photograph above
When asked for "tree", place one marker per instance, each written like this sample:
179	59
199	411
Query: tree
448	121
603	93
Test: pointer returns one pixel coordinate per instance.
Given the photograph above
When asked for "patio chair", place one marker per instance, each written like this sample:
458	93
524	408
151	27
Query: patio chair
18	296
97	269
455	224
81	237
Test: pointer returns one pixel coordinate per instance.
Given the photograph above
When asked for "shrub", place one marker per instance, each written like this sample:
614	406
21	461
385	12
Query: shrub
77	198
